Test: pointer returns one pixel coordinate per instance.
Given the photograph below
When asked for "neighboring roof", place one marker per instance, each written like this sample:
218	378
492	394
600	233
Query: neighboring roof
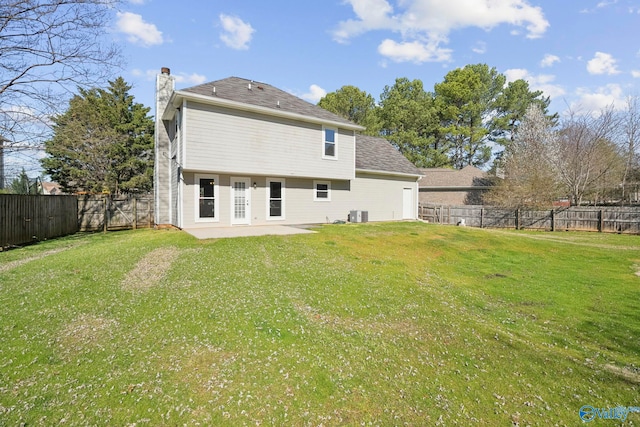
469	176
377	154
262	95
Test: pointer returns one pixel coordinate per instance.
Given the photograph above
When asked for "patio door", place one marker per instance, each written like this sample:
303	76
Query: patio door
240	201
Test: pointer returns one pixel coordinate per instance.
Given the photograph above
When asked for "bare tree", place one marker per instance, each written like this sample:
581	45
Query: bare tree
631	126
529	177
47	49
585	153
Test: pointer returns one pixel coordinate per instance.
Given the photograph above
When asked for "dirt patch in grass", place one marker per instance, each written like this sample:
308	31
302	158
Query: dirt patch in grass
85	333
151	269
366	326
17	263
628	373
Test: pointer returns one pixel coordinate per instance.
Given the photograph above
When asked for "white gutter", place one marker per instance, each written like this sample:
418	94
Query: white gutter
379	172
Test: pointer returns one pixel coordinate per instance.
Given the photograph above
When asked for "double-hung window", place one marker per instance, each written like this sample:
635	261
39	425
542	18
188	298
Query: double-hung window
322	191
206	198
330	143
275	198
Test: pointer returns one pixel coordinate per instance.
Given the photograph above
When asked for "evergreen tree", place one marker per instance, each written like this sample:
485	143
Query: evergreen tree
355	105
103	142
466	101
409	121
22	184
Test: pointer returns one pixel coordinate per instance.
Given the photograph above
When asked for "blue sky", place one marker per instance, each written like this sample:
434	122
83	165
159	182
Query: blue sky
585	54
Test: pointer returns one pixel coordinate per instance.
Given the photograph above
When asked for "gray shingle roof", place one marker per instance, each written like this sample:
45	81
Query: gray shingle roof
469	176
263	95
377	154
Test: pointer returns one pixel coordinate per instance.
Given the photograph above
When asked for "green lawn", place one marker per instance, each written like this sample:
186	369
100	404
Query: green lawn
372	324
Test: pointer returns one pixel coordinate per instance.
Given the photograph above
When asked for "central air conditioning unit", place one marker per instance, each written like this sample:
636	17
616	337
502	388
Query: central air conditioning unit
359	216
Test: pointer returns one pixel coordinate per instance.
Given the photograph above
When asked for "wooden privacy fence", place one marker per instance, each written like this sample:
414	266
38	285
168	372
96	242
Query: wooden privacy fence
25	219
105	213
602	219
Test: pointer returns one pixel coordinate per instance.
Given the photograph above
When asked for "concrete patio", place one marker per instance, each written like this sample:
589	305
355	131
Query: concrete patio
246	231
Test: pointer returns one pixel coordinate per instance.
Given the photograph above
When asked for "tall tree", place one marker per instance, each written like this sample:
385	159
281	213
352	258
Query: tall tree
48	48
466	101
529	177
355	105
510	108
409	121
103	142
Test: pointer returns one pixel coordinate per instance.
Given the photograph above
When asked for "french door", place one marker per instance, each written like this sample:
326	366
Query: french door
240	201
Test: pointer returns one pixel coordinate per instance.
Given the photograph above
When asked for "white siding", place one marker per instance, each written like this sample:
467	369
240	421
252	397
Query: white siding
380	195
221	140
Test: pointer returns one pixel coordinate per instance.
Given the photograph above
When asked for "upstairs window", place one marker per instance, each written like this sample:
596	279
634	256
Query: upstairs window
330	142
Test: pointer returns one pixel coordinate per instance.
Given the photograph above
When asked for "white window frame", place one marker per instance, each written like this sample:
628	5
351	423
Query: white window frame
282	198
315	191
335	143
216	198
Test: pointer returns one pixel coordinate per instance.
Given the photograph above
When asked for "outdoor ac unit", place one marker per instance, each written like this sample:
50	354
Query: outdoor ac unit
359	216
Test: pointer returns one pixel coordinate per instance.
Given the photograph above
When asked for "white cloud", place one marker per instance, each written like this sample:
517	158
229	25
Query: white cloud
237	34
137	2
138	31
603	97
549	60
635	74
193	79
480	48
543	82
429	22
413	51
602	63
314	95
181	77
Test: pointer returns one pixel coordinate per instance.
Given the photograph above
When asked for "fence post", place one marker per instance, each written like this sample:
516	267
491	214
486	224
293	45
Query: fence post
481	217
106	213
135	213
600	221
553	220
518	219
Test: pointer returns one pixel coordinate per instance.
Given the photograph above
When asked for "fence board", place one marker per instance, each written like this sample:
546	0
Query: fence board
603	219
97	213
25	219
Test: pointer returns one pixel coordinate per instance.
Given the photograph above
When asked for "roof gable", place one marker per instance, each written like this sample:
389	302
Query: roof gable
263	95
377	154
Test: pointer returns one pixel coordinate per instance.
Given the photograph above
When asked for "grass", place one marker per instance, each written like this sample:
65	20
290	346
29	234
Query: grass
373	324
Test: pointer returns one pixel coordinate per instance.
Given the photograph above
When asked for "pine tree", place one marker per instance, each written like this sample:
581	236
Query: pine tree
102	143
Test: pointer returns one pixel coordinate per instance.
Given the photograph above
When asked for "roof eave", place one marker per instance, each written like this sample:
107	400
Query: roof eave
177	97
381	172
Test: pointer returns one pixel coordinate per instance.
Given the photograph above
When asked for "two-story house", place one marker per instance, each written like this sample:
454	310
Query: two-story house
237	152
